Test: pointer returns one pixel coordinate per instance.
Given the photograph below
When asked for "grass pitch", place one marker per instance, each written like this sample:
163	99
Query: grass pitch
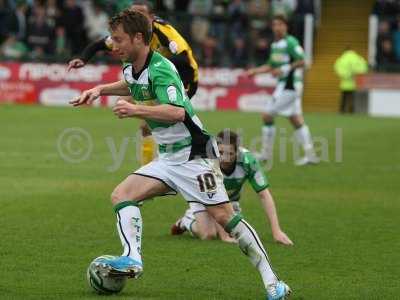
56	216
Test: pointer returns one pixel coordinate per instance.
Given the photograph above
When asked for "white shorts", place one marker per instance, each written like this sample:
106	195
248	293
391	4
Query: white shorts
284	103
199	181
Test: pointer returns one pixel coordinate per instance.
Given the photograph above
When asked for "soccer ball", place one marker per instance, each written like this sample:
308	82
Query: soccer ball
102	283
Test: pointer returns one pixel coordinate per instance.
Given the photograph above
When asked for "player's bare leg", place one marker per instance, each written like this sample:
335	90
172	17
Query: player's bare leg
204	226
303	137
200	224
251	246
125	198
267	137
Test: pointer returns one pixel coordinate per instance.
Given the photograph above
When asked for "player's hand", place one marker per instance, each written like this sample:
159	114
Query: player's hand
249	72
229	240
276	72
281	238
75	64
87	97
124	109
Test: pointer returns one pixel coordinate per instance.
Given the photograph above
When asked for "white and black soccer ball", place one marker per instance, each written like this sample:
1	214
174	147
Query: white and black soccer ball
102	283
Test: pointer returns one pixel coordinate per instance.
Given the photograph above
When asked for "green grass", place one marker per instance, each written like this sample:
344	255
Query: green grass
56	216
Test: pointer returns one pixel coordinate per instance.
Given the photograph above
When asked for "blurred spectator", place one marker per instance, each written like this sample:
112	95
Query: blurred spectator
17	21
238	28
239	53
73	21
386	8
305	7
387	58
258	8
181	5
383	34
199	30
238	19
218	22
52	13
283	7
396	39
61	43
384	29
200	9
4	13
159	5
96	21
297	24
346	67
210	55
40	35
261	51
13	49
122	4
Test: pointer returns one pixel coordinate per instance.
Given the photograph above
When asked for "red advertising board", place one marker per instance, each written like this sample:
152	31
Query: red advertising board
378	81
51	84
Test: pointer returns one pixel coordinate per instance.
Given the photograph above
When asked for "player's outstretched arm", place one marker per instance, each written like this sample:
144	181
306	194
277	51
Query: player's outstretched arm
258	70
76	63
269	208
162	113
88	53
118	88
87	97
298	64
287	68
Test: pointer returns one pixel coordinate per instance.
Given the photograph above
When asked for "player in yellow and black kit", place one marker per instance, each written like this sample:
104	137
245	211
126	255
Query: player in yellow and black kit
166	40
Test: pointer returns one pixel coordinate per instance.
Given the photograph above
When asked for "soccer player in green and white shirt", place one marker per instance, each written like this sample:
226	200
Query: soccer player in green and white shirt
238	165
286	62
188	155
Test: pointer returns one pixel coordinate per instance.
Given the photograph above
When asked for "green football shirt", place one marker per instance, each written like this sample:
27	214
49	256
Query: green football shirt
283	52
247	168
159	83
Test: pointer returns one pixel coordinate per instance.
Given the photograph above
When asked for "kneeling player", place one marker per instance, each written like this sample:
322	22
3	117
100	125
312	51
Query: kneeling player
187	162
237	165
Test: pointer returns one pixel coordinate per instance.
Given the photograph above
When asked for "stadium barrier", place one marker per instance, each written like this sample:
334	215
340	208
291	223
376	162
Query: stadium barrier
378	94
51	84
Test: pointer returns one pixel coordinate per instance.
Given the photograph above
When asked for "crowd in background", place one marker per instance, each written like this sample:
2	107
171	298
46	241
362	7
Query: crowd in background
388	40
233	33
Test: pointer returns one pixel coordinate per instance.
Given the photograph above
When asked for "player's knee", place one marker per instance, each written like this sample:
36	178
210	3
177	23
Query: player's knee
267	118
117	196
222	218
297	121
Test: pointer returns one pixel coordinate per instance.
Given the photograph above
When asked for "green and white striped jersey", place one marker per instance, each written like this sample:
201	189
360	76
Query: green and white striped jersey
283	52
247	168
159	83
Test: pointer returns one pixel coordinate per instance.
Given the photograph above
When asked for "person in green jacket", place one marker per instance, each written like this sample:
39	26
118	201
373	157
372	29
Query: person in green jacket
349	64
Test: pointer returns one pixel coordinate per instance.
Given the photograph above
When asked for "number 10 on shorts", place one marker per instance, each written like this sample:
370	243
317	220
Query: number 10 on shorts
207	182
